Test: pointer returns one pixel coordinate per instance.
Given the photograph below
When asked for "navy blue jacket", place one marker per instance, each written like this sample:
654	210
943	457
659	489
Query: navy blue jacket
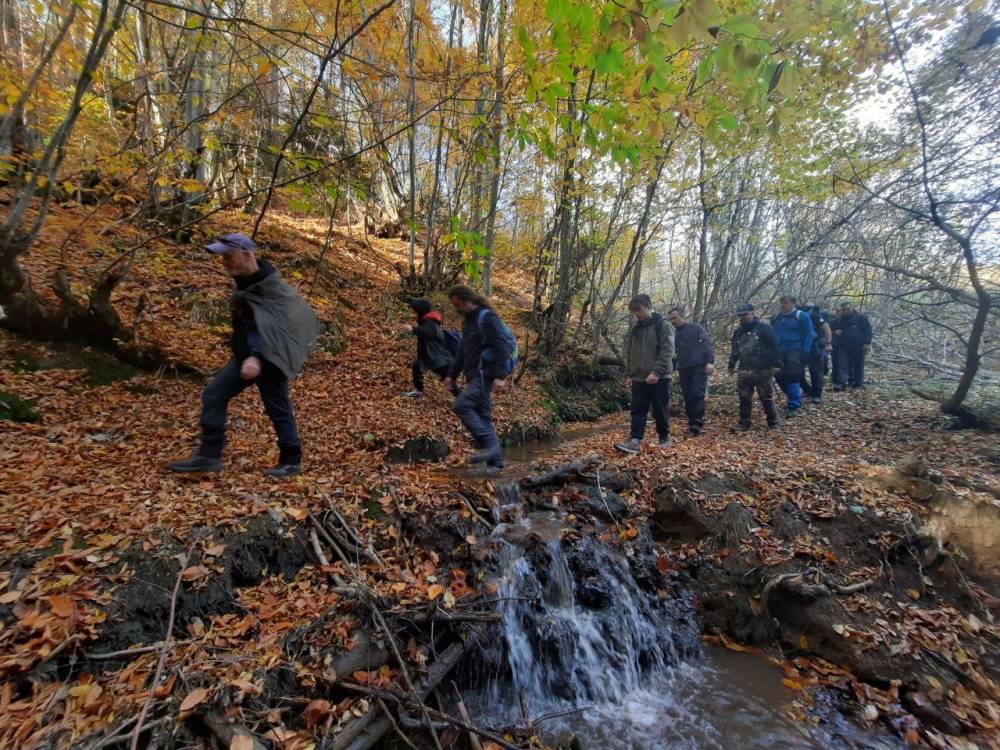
851	330
474	342
693	346
794	331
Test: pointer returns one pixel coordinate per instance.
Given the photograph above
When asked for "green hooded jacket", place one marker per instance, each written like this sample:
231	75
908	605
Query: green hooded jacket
649	347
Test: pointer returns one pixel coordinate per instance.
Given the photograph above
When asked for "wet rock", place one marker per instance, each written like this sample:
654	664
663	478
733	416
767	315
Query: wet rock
418	450
676	516
606	504
932	713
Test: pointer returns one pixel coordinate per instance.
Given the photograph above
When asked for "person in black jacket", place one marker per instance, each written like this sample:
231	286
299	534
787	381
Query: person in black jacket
274	330
852	339
483	356
695	362
756	351
433	354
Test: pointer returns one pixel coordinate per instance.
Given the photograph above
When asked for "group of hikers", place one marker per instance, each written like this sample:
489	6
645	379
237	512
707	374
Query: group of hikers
795	350
274	330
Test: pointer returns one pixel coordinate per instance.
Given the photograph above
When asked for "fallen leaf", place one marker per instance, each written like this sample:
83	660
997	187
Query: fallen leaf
316	711
215	550
434	591
194	698
913	594
241	742
194	573
62	606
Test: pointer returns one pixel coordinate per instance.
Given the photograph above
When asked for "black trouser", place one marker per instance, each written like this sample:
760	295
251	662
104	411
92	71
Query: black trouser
646	396
816	367
761	381
851	366
418	371
694	383
226	385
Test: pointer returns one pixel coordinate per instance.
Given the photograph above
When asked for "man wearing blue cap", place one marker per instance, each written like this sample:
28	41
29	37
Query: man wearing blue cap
274	330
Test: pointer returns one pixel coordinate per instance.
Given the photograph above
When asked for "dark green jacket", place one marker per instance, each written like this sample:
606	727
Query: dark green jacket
649	347
286	326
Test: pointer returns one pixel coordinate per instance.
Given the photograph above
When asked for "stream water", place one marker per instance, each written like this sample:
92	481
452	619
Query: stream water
581	634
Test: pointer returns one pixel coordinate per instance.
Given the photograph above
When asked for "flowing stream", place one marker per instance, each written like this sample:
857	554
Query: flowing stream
621	662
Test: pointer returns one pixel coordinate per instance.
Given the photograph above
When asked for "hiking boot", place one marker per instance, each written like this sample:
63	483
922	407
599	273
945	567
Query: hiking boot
695	431
489	456
283	470
741	427
413	394
817	400
791	413
773	425
197	463
632	446
838	388
665	443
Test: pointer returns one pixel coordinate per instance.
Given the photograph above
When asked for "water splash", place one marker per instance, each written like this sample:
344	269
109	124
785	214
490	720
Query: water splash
576	626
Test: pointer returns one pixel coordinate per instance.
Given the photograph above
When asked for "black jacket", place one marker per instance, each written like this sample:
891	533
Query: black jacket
851	330
432	350
693	346
474	343
755	347
245	340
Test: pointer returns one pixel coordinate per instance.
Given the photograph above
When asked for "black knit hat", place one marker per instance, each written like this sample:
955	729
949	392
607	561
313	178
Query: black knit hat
421	306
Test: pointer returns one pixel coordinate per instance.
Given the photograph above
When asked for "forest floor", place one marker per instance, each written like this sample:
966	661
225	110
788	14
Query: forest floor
810	543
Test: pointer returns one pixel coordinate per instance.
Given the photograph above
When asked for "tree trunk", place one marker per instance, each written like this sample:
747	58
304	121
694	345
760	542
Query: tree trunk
496	123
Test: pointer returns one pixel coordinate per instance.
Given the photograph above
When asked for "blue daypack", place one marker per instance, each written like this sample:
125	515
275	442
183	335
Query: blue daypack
452	340
508	338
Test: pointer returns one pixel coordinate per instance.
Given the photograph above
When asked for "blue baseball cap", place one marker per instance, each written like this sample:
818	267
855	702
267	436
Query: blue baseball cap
232	241
743	309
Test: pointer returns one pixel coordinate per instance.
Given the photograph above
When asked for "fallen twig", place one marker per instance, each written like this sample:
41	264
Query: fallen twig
399	732
403	701
135	651
163	652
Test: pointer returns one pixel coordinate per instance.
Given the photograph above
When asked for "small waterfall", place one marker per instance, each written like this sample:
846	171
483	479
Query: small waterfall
576	626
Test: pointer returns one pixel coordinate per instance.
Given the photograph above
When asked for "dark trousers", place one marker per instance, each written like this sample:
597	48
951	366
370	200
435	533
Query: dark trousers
474	406
761	381
694	384
225	386
850	366
646	397
816	367
418	370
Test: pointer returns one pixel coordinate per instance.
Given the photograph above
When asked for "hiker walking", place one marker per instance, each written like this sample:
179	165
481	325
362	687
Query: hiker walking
486	355
435	346
794	330
819	355
695	361
756	353
649	352
274	330
852	337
